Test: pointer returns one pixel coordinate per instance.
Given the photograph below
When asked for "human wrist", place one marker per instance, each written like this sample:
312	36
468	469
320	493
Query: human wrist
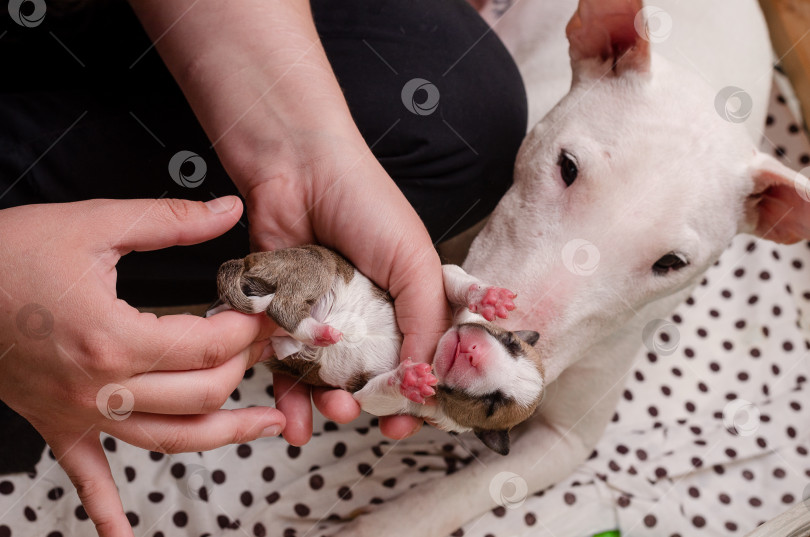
303	156
270	120
264	103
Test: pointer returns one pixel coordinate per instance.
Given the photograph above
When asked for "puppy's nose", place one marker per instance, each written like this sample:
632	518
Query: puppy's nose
472	353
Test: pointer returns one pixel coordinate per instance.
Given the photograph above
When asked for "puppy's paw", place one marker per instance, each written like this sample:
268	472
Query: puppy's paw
490	302
326	335
416	380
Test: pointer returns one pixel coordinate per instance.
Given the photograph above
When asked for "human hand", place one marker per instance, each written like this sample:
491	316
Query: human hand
77	361
276	115
346	201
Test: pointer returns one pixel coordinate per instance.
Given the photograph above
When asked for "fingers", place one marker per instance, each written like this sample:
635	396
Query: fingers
336	405
86	465
142	225
184	342
178	434
191	392
340	406
400	427
292	399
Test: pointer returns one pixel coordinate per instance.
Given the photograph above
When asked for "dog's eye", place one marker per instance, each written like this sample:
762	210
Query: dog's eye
510	343
493	401
671	261
568	168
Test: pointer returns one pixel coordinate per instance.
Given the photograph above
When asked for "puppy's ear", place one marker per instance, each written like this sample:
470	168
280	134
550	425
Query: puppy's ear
778	208
529	336
497	441
609	31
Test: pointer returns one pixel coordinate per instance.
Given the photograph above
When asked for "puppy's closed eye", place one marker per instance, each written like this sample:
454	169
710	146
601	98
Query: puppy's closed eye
493	401
510	343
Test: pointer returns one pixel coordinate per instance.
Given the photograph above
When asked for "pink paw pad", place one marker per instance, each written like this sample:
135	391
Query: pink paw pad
325	335
491	302
416	381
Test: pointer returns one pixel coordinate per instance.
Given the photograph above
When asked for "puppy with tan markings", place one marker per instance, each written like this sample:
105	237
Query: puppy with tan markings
342	332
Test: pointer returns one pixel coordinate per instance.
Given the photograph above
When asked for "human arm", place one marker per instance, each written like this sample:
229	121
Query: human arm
260	83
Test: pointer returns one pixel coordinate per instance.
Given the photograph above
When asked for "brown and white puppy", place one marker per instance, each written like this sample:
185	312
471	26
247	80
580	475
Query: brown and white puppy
343	333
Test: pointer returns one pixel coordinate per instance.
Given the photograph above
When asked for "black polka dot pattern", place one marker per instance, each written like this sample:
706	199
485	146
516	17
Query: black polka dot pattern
726	390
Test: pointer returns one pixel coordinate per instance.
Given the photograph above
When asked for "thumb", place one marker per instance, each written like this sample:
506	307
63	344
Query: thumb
421	307
86	465
154	224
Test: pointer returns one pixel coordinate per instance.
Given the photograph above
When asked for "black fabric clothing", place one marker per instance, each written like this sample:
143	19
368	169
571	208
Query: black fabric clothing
88	110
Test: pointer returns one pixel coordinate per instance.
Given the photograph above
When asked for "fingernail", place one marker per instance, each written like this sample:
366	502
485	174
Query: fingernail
221	205
273	430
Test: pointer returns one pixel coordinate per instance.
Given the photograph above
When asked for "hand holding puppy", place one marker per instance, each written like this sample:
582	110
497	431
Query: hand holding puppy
276	115
349	203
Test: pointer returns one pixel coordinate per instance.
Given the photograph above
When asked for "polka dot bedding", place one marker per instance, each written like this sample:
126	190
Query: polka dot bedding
710	438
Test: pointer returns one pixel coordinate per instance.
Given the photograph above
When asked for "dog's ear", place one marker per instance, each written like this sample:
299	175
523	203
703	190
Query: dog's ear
497	441
529	336
609	31
778	207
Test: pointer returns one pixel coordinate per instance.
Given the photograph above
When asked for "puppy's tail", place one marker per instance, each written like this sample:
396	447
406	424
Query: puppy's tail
230	287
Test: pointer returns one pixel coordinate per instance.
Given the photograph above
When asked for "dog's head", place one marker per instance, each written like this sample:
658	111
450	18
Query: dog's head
626	192
490	379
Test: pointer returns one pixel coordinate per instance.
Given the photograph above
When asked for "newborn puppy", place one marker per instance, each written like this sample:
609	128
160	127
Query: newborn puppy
343	333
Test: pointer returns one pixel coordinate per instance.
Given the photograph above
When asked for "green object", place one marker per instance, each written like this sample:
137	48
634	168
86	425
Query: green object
612	533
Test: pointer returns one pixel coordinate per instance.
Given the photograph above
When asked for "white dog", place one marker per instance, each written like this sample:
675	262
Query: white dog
624	194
